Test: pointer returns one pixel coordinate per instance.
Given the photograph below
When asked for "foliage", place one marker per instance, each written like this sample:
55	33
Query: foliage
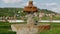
55	29
12	11
9	11
46	11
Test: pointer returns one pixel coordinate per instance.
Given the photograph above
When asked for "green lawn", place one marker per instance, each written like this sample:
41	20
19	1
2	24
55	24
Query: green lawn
55	29
5	28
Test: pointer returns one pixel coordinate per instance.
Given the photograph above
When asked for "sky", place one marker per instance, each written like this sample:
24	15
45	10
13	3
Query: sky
53	5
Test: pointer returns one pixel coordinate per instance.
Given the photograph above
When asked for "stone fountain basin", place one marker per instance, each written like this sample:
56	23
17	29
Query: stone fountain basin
29	29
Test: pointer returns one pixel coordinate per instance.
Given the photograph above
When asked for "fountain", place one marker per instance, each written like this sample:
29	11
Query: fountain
32	26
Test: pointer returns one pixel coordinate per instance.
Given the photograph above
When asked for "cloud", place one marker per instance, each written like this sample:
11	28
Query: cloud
35	3
56	9
51	4
11	1
25	4
48	4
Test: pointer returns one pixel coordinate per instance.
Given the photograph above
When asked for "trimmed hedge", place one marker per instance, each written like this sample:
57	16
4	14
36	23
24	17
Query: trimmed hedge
6	26
7	32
